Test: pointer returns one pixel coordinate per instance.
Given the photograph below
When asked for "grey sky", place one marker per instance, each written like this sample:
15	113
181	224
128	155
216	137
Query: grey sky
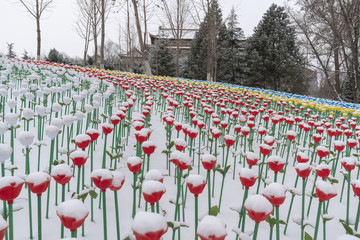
58	25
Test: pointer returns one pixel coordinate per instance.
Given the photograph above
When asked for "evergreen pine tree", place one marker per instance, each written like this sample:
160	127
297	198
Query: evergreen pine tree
162	60
25	55
347	91
273	58
202	45
11	53
231	61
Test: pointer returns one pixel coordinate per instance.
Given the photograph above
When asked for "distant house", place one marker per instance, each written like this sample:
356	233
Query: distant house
184	43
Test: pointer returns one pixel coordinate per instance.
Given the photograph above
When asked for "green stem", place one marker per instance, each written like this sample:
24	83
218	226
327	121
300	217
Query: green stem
104	154
357	217
196	216
317	221
30	214
74	234
303	208
209	191
255	231
134	196
11	224
78	182
62	200
39	217
277	223
117	215
104	215
348	199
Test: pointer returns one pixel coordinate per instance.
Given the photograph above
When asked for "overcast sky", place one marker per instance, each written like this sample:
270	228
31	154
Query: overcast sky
58	25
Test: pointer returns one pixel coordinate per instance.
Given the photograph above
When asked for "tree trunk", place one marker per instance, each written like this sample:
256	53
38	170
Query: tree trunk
38	50
142	46
337	67
102	46
95	35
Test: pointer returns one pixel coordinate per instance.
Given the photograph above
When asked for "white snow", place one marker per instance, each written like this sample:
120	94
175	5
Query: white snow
79	154
325	187
134	161
11	118
248	173
145	222
154	174
5	152
73	208
61	169
275	189
51	131
195	180
102	174
38	178
208	158
151	186
82	138
275	158
10	180
258	203
26	138
211	226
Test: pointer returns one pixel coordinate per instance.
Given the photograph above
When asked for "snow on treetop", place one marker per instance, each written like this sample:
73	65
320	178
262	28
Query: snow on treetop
339	143
154	174
275	158
145	222
26	138
5	152
82	138
180	142
258	203
247	173
195	179
61	169
251	155
348	160
211	226
118	178
325	187
79	154
102	173
134	161
275	189
208	157
152	186
73	208
51	131
38	178
6	181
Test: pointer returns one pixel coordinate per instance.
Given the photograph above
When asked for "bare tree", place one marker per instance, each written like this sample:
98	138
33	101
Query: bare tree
104	7
84	24
36	8
177	15
140	37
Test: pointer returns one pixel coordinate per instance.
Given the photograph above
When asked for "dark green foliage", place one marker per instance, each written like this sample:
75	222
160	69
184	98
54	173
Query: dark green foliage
347	90
54	56
205	40
25	55
273	58
231	57
162	60
11	53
